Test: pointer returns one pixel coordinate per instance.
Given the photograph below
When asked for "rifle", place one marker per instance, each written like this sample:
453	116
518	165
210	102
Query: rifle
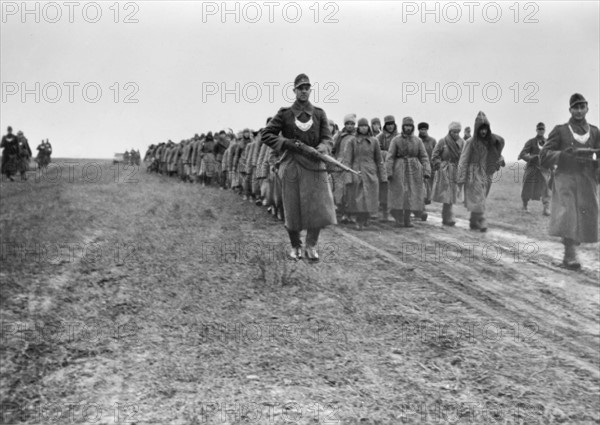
586	151
587	155
312	153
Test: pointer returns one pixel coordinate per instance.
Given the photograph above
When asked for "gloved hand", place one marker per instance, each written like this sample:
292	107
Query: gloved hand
534	160
290	144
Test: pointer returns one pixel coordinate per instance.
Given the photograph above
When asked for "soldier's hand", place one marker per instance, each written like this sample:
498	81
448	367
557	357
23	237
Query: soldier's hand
322	148
289	145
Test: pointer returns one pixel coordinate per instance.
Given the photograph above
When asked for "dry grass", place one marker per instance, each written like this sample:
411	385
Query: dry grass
193	315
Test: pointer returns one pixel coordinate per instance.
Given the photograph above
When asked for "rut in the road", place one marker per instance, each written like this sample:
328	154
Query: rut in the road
564	335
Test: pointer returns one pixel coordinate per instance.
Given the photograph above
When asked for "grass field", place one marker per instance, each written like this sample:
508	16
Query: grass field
134	298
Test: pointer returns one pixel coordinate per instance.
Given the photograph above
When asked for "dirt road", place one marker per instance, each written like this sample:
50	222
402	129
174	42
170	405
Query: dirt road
139	299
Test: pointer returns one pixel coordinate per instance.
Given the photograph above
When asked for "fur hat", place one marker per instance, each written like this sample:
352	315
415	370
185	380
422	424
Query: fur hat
363	121
350	117
454	125
389	119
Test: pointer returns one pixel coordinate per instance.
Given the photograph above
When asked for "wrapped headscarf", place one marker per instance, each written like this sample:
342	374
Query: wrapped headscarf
454	125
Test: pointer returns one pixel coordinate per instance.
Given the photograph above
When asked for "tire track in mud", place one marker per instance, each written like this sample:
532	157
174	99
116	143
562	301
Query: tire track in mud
582	352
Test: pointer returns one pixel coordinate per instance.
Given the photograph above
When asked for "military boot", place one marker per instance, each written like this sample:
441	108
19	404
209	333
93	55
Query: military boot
474	221
407	222
570	260
447	216
384	213
546	209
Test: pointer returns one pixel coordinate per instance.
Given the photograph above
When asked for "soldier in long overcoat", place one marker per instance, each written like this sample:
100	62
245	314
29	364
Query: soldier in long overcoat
24	155
390	130
535	178
480	158
307	198
10	153
429	143
444	159
570	147
221	145
338	177
364	155
208	166
407	164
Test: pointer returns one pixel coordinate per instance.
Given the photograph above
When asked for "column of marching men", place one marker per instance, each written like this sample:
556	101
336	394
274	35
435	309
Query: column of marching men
239	162
400	172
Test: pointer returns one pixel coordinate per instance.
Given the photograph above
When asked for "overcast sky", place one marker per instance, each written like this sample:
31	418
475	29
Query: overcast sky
163	76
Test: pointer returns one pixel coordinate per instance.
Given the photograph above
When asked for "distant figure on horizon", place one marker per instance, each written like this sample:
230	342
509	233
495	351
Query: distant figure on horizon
24	155
10	154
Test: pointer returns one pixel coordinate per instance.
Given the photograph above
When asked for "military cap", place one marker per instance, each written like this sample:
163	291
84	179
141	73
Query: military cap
540	126
423	125
576	99
300	80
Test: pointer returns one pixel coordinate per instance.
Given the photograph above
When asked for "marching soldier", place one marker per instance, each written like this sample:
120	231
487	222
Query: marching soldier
390	130
220	147
240	162
429	143
307	198
375	126
407	165
364	155
10	154
24	155
467	134
535	179
339	179
481	157
207	160
570	147
445	158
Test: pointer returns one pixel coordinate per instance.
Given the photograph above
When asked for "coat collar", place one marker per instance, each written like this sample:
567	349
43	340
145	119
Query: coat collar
298	108
361	137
